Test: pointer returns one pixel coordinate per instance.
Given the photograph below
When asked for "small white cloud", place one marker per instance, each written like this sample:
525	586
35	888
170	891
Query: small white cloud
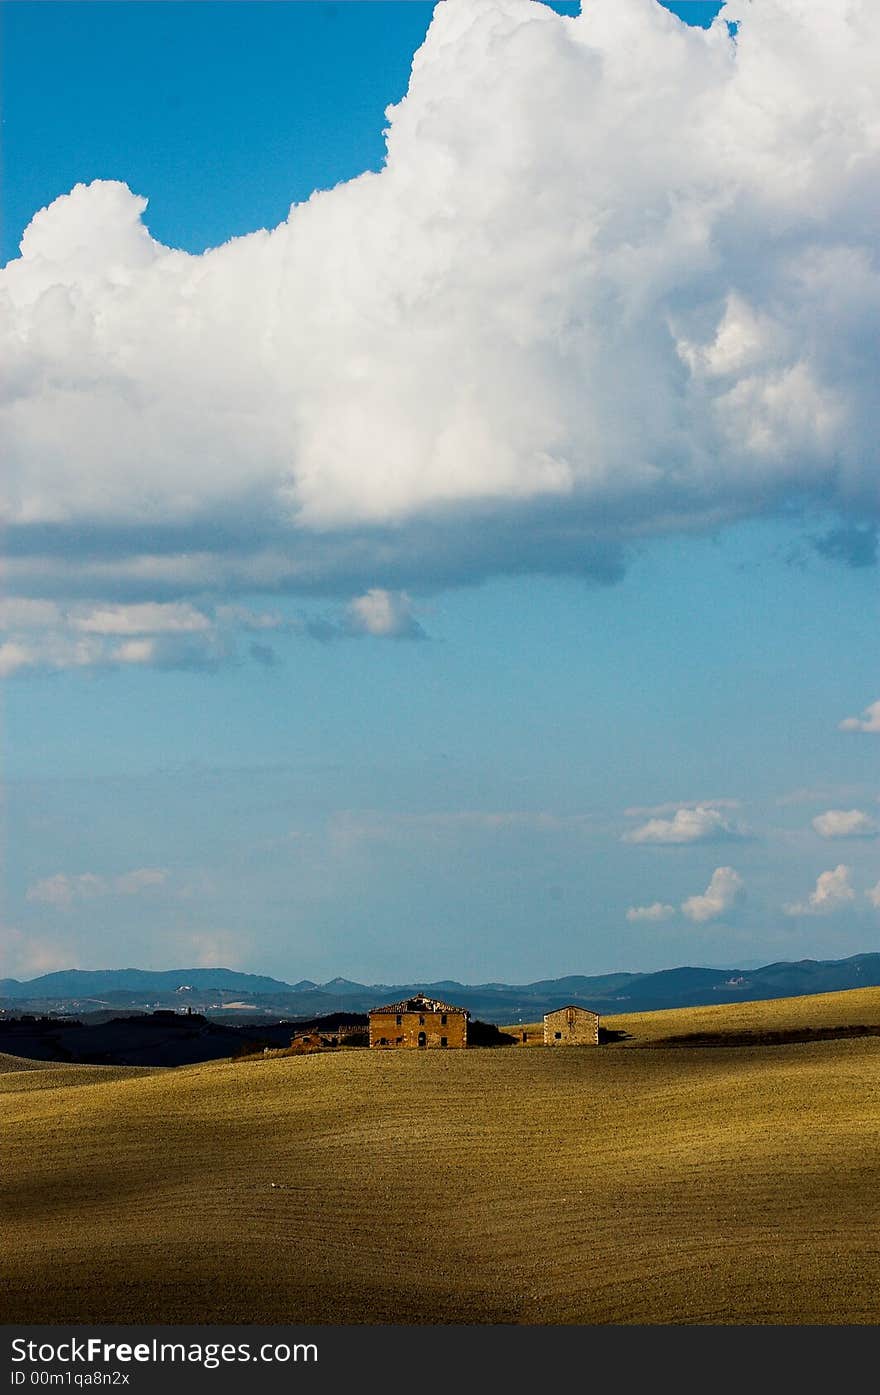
384	614
833	891
725	889
657	910
845	823
873	895
869	720
63	891
701	824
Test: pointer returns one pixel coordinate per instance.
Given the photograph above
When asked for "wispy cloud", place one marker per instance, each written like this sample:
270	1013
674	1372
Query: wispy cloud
26	955
845	823
672	806
54	638
64	891
213	948
364	825
146	619
658	910
820	794
45	637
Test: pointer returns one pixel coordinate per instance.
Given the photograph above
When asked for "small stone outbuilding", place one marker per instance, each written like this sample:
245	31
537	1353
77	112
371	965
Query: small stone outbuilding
311	1041
419	1022
571	1026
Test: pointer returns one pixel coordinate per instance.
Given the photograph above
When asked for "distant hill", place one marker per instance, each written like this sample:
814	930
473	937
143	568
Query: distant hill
226	991
67	983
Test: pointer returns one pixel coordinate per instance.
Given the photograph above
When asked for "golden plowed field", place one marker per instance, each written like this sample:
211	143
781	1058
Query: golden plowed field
575	1185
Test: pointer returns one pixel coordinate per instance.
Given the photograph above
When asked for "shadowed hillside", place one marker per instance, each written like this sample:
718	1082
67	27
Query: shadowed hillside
153	1039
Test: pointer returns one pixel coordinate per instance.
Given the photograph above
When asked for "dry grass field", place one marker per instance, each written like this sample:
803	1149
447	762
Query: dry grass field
861	1006
576	1185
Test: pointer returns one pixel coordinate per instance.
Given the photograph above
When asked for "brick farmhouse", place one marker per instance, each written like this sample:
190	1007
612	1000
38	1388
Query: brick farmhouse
419	1022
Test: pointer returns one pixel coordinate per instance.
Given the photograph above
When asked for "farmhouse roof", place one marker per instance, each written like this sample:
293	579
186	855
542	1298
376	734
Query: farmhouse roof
419	1003
571	1007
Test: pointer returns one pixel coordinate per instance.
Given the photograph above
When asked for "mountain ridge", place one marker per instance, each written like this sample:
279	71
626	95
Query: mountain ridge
211	989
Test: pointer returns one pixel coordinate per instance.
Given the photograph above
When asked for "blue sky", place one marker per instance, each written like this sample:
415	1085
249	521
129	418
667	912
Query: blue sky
557	688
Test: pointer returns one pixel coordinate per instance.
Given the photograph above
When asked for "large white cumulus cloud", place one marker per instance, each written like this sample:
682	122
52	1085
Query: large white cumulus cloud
618	277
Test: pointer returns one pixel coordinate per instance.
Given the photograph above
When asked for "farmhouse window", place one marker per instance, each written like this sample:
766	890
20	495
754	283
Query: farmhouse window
558	1036
525	1036
421	1020
399	1019
443	1019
